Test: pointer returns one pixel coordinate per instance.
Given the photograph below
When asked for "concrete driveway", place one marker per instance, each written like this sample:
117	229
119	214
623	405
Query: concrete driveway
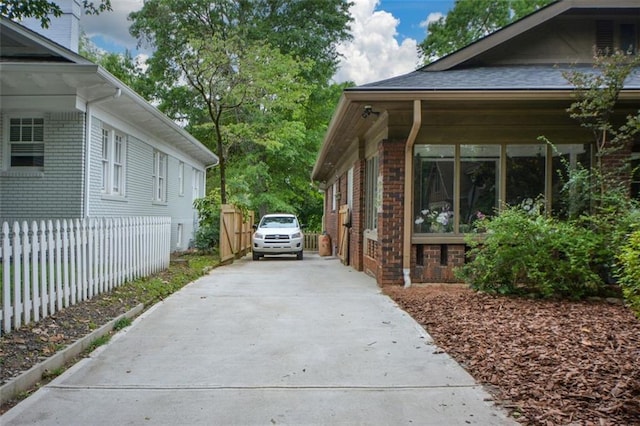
277	341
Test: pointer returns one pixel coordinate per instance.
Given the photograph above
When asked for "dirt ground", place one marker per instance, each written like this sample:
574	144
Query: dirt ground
547	362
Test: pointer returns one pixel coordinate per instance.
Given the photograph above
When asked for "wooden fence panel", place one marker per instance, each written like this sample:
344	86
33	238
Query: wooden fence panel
47	266
236	229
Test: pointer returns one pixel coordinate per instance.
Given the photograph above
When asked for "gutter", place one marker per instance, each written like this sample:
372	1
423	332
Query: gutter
408	187
87	139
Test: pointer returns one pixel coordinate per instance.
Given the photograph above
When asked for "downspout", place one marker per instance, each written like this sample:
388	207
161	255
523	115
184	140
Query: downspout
87	138
408	189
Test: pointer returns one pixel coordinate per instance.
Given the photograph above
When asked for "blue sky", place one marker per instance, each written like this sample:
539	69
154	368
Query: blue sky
385	35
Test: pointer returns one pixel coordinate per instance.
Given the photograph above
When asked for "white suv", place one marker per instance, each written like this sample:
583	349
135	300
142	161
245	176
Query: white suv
279	233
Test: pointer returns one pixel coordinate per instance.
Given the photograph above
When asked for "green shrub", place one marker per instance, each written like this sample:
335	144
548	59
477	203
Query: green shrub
628	271
530	254
207	235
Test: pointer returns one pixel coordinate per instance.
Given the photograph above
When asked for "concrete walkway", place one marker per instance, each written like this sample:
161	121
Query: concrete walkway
277	341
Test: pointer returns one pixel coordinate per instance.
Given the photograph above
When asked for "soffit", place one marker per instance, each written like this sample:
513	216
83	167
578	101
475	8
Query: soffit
89	83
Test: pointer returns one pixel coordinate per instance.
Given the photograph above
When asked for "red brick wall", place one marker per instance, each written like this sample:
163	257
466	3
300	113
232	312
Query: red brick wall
369	262
390	221
434	267
357	217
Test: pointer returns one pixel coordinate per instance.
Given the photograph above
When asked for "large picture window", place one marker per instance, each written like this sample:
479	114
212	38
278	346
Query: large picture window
479	184
456	185
434	198
526	166
26	142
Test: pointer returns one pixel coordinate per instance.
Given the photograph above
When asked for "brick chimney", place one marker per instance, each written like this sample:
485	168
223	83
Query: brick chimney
65	29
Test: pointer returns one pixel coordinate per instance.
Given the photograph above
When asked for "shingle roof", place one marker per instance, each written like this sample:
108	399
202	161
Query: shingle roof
522	77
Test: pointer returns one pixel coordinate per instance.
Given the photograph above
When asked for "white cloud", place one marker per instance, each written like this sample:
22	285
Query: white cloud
374	53
433	17
113	26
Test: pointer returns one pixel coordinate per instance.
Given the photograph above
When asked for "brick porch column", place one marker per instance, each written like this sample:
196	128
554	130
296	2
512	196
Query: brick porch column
390	221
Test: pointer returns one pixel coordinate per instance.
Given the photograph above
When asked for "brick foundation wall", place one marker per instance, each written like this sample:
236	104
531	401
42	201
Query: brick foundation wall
434	263
390	221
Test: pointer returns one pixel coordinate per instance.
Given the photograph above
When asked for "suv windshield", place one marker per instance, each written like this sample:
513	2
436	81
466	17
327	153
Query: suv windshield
279	222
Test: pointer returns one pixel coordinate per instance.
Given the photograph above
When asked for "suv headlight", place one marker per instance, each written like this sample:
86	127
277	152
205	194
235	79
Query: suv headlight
296	235
258	235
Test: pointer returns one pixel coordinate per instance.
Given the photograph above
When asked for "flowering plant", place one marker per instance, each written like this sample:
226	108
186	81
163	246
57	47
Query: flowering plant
435	220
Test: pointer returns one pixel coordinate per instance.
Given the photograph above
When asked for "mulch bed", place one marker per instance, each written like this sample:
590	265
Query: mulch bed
547	362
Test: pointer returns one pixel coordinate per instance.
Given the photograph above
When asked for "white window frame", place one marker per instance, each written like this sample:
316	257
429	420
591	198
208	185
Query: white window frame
160	164
372	193
37	140
114	160
195	192
181	178
179	234
334	196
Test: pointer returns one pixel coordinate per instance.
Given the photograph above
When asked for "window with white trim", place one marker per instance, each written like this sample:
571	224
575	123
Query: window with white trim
179	235
113	162
159	176
371	192
26	142
197	177
181	178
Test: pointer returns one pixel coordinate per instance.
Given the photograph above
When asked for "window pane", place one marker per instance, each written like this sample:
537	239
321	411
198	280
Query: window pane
568	157
478	183
371	193
525	173
434	186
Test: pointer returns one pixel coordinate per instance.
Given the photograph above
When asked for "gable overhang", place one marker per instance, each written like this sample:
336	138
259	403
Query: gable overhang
525	24
31	87
348	124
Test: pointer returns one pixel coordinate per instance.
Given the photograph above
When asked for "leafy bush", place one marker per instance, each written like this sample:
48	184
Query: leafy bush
207	236
628	271
530	254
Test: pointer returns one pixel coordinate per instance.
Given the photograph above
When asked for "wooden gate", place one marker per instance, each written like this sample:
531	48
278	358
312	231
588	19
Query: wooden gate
343	233
235	232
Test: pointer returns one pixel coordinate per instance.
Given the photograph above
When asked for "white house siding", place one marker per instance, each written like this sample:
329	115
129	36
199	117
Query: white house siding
138	199
56	191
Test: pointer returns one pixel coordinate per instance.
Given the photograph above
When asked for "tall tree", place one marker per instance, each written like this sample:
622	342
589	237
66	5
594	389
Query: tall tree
44	9
470	20
248	65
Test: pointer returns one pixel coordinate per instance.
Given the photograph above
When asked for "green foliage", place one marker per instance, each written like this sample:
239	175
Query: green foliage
525	253
470	20
628	271
250	79
122	323
597	95
41	9
207	235
100	341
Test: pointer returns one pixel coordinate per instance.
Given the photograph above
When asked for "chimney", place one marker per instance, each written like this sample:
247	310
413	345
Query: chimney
65	29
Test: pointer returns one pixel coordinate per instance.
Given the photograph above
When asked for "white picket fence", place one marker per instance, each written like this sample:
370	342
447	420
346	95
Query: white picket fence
50	265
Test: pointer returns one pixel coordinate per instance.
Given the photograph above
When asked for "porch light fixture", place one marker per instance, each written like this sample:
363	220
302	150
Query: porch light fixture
368	110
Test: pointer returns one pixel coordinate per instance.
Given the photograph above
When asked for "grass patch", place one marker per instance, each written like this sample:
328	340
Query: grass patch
121	323
103	340
52	374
